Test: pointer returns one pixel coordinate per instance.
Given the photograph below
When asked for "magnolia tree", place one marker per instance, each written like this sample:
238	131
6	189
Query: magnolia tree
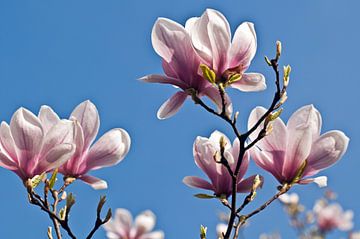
203	62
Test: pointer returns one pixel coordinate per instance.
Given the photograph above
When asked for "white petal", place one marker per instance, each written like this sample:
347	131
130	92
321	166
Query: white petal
172	105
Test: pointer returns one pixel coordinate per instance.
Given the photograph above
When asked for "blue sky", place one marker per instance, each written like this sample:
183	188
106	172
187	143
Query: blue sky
60	53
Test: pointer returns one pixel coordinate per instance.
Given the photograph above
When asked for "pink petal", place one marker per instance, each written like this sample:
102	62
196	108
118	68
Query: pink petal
215	97
250	82
27	133
197	182
57	156
154	235
95	183
320	181
88	117
210	35
172	105
245	185
164	80
276	140
326	151
171	41
145	222
47	117
304	127
7	163
243	47
109	150
271	162
120	226
62	132
7	141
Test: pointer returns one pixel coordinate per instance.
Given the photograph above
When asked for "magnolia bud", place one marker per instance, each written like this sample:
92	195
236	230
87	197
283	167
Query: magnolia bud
278	49
203	232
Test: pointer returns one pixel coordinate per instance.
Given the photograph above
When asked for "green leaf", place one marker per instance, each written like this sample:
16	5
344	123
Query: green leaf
53	179
36	180
204	196
208	74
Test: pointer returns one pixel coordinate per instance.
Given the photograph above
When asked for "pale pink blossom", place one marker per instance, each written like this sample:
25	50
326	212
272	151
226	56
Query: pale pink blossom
297	146
181	66
207	155
289	198
123	227
211	37
109	149
29	147
331	216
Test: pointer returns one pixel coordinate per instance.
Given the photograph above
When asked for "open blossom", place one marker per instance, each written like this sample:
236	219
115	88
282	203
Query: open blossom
123	227
109	150
297	151
332	216
211	37
181	66
207	155
29	147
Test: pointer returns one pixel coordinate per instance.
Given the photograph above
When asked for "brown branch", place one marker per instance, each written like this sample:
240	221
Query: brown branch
99	222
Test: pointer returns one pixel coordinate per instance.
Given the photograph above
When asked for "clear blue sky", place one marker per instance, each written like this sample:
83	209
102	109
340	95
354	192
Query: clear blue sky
63	52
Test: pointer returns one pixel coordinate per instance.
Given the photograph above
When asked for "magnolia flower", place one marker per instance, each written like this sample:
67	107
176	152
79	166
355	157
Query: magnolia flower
109	150
123	227
354	235
289	198
30	148
221	230
181	66
211	37
332	216
206	153
296	151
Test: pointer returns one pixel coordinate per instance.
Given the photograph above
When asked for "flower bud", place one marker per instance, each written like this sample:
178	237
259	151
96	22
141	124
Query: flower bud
203	232
278	49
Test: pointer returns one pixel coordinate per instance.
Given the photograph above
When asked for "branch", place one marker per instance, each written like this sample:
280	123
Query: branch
99	221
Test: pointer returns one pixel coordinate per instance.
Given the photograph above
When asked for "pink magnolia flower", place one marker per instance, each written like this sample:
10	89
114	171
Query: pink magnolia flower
181	66
29	147
211	37
206	151
123	227
332	216
109	150
297	145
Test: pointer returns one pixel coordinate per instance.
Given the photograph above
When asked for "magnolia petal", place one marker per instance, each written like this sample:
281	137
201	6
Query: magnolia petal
246	185
346	223
250	82
27	133
47	117
190	23
62	132
197	182
276	140
271	162
304	127
95	183
57	156
154	235
145	222
326	151
7	141
306	116
320	181
216	136
123	218
243	47
163	80
210	35
88	117
172	105
215	97
6	162
109	150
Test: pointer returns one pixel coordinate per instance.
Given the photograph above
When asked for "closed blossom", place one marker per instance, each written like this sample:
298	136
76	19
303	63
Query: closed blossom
207	156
